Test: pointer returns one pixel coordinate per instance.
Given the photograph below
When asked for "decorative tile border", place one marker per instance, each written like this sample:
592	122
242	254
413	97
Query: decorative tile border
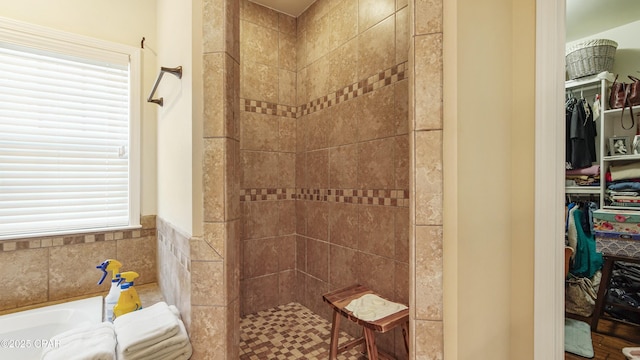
169	237
384	78
384	197
49	241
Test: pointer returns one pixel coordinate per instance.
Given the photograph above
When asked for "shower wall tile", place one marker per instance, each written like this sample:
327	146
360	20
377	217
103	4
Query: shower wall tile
376	48
376	230
259	81
318	169
428	289
314	289
318	38
260	257
259	293
261	219
401	155
318	220
341	62
207	283
428	173
287	24
301	254
429	344
287	287
287	58
286	246
232	179
233	330
208	332
428	17
139	255
287	88
377	114
401	291
428	81
343	271
259	131
343	120
260	44
376	164
26	277
318	259
402	224
376	272
213	184
343	224
343	167
286	217
401	89
232	263
202	251
401	3
373	11
286	168
301	52
259	15
260	169
301	217
316	130
68	266
287	134
213	16
214	113
402	35
318	79
301	179
344	23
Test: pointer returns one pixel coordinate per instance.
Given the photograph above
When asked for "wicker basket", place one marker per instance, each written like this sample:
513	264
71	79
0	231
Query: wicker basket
590	57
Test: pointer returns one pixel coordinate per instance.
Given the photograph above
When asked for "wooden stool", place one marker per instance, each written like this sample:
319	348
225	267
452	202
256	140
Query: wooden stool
338	300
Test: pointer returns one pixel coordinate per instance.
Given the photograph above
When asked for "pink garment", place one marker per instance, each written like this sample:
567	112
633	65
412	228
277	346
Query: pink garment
591	170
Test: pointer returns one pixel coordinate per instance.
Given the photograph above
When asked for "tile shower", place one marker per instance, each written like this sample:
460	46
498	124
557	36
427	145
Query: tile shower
324	153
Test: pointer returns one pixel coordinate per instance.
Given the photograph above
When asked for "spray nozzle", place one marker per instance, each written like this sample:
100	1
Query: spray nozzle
109	265
127	277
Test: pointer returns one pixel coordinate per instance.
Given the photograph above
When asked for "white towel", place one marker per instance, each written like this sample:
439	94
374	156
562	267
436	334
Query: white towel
143	328
171	348
88	342
370	307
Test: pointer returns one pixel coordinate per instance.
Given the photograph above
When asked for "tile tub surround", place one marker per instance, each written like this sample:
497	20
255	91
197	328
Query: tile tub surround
61	267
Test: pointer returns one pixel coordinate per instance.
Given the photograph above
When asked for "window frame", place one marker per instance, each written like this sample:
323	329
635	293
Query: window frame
66	43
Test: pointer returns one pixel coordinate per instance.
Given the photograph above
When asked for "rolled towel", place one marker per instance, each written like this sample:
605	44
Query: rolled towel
143	328
170	348
631	353
87	342
370	307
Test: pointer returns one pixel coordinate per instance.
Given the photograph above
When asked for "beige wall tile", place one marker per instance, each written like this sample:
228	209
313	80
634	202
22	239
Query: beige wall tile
259	44
402	234
260	257
343	120
301	254
287	58
377	115
301	129
301	50
287	134
232	179
213	95
208	332
318	259
68	268
376	48
259	294
402	35
314	289
261	219
373	11
318	79
213	25
260	169
428	82
317	129
343	224
344	23
343	167
301	170
317	36
318	169
428	264
376	230
232	29
428	338
401	3
401	156
233	330
301	217
343	270
259	82
259	131
213	179
287	217
215	234
428	175
286	247
318	220
139	255
286	170
401	89
207	283
428	16
287	88
287	24
202	251
401	283
26	276
343	66
258	14
286	287
375	164
232	262
376	272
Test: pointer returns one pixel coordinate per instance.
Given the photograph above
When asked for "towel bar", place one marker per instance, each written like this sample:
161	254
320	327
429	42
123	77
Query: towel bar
177	71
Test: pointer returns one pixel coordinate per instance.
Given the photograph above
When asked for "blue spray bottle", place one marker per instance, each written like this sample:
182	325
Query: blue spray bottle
114	292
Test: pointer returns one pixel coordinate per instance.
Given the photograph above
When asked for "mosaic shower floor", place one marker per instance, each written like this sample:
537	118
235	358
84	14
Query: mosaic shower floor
288	332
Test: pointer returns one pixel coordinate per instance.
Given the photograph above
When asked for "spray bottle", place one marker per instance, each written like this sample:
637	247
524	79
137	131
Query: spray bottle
129	300
114	292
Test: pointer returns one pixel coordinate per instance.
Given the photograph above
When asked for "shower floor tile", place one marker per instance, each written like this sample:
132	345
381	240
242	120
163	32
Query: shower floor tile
288	331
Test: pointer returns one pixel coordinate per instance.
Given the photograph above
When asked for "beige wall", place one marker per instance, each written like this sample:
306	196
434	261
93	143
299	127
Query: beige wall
106	20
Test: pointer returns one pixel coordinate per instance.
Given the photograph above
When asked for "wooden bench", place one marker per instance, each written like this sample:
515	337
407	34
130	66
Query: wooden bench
338	300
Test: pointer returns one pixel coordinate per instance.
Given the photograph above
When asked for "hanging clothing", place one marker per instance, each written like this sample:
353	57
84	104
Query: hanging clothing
586	260
581	134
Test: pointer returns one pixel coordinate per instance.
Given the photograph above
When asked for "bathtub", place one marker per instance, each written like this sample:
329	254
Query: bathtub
24	335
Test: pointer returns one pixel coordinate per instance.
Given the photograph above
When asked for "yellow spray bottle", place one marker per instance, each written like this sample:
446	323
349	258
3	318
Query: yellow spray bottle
114	292
129	300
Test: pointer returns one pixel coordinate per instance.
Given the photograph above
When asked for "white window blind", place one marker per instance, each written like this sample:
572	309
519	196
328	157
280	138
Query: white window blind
64	142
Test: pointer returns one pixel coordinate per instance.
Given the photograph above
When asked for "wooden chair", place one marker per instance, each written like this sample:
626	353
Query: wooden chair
338	300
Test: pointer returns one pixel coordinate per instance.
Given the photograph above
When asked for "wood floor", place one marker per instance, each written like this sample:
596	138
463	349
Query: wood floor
609	341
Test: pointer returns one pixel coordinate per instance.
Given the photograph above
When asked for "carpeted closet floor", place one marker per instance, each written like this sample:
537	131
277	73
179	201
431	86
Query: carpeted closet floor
286	332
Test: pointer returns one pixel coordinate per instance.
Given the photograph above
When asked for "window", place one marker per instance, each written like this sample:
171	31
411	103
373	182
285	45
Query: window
69	120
